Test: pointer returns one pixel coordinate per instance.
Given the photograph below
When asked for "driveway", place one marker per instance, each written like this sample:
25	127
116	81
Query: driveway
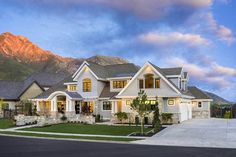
198	133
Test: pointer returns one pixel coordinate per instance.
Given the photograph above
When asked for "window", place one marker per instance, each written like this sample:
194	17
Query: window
128	102
72	88
171	102
199	105
106	105
140	84
157	83
149	81
86	85
119	84
152	104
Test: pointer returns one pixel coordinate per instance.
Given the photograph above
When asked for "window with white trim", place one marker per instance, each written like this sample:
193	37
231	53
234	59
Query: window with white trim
171	102
106	105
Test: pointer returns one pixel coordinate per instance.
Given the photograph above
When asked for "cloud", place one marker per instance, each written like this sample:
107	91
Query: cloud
173	38
225	34
221	70
214	74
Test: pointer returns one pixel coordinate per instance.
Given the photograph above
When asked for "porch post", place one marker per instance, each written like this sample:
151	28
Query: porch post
37	106
113	107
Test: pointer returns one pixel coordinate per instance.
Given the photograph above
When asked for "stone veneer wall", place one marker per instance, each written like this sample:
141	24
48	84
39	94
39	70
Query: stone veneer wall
201	114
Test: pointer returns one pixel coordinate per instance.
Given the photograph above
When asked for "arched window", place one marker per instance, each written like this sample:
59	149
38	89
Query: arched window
87	85
149	81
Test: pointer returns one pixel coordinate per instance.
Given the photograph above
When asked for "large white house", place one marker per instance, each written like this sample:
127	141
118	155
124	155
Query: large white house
106	90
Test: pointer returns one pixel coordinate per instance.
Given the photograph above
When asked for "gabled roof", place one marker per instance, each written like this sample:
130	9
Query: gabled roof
106	93
47	79
12	90
197	93
161	74
59	87
172	71
110	71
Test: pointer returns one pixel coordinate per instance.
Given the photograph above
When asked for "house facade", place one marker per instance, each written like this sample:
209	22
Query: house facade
12	92
105	90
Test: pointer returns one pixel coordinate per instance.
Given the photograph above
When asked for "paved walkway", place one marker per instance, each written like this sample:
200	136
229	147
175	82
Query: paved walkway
198	133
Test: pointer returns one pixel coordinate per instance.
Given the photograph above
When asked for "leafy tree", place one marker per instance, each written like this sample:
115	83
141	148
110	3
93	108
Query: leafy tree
141	107
121	116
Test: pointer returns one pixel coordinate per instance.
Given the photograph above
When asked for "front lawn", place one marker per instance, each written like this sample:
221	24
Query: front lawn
6	123
89	129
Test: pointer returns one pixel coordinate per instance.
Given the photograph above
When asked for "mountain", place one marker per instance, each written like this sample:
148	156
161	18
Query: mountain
19	58
217	99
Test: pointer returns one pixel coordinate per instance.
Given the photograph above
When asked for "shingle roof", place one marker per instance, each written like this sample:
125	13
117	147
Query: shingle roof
116	70
12	90
172	71
47	79
197	93
106	93
59	87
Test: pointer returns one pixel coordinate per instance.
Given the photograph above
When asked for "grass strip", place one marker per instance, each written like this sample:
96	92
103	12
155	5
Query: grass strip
118	139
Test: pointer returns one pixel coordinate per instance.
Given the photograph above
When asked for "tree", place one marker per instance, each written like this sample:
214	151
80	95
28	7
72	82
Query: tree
156	119
141	107
121	116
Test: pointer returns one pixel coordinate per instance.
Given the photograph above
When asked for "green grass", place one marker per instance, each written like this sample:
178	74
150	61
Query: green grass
70	137
89	129
6	123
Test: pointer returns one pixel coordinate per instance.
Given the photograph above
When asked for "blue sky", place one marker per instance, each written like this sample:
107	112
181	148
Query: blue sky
196	34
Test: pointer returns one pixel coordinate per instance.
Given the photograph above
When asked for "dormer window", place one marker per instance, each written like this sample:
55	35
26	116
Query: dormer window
87	85
119	84
72	87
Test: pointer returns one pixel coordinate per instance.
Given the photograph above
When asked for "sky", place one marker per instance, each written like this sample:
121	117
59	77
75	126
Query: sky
198	35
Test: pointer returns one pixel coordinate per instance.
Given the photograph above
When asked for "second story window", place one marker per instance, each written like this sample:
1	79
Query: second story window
72	88
86	85
157	83
119	84
149	81
141	84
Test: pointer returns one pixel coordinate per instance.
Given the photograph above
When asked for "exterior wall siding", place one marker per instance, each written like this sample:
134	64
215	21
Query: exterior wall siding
33	91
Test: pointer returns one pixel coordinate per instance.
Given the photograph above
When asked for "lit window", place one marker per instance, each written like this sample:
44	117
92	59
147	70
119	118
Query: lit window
106	105
140	84
86	85
128	102
119	84
157	83
171	102
72	87
149	81
199	105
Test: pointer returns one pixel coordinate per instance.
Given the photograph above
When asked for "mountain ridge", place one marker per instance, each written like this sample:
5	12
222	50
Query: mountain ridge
19	58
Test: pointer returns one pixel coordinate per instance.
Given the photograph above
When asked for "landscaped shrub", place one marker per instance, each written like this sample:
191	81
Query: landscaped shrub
166	117
121	116
156	120
63	118
98	118
228	115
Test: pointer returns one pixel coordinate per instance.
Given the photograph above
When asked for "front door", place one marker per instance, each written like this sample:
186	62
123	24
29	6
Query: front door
119	106
87	107
77	107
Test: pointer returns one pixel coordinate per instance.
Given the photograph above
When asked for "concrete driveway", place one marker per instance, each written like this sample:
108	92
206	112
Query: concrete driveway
198	133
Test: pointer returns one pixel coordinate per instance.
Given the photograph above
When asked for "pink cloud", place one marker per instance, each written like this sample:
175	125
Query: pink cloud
225	34
172	38
214	74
